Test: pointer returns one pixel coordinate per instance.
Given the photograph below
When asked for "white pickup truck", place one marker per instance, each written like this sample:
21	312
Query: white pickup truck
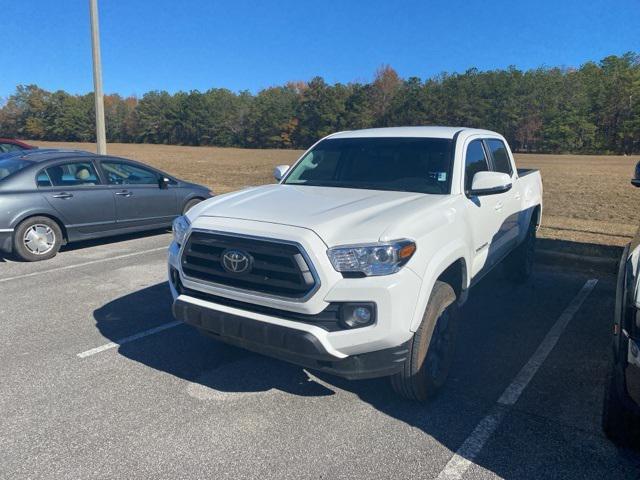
357	261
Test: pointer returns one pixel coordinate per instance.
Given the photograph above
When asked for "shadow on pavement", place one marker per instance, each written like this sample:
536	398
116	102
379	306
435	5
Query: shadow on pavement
115	239
498	334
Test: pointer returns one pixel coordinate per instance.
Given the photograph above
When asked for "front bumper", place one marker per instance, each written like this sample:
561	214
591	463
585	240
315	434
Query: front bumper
288	344
395	297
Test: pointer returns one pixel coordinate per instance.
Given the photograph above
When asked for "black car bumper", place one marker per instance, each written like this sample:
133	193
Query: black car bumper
288	344
6	242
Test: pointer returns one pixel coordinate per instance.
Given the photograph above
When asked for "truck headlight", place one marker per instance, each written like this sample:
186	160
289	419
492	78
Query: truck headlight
180	227
372	259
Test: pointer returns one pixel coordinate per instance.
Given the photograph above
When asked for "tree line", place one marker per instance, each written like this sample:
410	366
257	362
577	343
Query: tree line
594	108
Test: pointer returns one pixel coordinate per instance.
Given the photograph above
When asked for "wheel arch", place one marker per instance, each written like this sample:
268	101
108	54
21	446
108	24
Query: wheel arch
451	265
59	222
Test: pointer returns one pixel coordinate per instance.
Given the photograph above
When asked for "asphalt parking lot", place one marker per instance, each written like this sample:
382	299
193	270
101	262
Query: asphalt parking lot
98	381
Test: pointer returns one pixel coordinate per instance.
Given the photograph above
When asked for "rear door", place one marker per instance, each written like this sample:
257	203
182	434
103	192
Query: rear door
137	194
510	202
75	190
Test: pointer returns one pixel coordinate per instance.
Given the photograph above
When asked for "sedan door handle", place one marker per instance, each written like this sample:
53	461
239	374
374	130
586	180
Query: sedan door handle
517	196
63	195
124	193
498	206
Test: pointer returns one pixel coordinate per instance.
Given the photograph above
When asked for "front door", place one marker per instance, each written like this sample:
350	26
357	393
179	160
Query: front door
138	197
75	191
484	214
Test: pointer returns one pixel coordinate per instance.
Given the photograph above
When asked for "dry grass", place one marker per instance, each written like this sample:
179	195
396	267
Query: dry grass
587	198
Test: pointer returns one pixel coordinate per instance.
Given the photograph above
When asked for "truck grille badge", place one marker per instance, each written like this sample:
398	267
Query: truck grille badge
236	261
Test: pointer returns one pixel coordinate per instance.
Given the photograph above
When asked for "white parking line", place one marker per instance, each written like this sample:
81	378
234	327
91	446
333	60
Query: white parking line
130	338
84	264
469	450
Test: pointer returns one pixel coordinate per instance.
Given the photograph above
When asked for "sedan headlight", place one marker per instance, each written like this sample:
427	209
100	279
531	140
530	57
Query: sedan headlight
180	227
372	259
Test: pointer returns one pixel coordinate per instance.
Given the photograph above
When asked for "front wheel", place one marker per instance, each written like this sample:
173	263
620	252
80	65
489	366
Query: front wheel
37	238
431	349
191	203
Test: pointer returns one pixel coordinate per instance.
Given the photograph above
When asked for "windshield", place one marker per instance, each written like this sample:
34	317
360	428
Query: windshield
9	166
420	165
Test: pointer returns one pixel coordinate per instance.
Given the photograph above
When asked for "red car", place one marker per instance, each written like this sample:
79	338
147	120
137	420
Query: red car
12	145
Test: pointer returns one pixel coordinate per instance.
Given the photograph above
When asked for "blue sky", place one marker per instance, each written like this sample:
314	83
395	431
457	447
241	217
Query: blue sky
239	44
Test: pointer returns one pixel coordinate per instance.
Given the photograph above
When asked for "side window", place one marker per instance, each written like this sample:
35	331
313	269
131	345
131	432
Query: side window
68	175
9	147
43	179
500	156
475	161
120	173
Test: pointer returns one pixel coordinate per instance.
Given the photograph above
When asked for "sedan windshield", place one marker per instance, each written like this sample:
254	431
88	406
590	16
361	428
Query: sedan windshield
420	165
12	165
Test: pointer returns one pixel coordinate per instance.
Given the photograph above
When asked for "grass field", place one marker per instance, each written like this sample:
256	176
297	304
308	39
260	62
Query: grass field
587	198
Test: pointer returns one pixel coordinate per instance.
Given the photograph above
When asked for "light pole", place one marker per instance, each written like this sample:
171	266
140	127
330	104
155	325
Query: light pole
97	78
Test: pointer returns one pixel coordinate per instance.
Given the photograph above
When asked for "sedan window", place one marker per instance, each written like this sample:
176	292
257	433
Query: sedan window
120	173
68	175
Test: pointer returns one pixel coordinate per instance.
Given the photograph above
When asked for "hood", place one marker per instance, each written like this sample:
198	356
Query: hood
336	215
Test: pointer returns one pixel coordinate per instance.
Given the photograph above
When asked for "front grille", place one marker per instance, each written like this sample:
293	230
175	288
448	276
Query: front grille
277	268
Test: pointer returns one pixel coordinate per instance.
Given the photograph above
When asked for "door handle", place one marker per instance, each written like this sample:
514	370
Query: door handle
498	206
124	193
63	195
517	196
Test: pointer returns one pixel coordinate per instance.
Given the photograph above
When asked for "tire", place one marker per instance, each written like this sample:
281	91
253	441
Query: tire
432	348
37	238
191	203
519	263
619	424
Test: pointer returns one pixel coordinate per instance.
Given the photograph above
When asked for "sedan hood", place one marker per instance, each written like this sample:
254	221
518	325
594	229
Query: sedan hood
336	215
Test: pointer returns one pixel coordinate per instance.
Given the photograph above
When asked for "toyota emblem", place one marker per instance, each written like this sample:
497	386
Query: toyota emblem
236	261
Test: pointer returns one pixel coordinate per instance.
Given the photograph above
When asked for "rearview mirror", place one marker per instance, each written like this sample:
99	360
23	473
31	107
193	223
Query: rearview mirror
489	183
280	171
635	181
163	183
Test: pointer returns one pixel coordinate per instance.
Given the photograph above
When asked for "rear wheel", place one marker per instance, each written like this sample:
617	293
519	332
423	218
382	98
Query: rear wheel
37	238
519	264
431	349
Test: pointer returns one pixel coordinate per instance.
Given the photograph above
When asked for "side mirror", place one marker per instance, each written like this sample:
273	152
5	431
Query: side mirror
635	181
489	183
280	171
163	183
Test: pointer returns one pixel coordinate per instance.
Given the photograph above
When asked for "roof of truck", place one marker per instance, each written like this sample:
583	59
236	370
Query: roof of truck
426	132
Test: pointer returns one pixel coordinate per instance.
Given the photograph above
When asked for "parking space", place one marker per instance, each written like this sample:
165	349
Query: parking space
99	381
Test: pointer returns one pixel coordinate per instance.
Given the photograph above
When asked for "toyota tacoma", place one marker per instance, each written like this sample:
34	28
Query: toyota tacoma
357	261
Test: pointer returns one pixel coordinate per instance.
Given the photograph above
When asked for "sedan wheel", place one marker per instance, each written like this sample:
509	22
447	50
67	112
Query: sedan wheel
37	238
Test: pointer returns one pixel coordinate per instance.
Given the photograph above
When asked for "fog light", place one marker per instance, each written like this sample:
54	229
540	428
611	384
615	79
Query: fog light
355	315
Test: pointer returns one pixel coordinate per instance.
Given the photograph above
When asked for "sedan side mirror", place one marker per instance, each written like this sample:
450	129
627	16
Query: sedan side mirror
163	183
635	181
489	183
280	171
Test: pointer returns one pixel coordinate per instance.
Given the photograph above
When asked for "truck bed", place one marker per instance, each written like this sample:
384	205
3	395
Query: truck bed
526	171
